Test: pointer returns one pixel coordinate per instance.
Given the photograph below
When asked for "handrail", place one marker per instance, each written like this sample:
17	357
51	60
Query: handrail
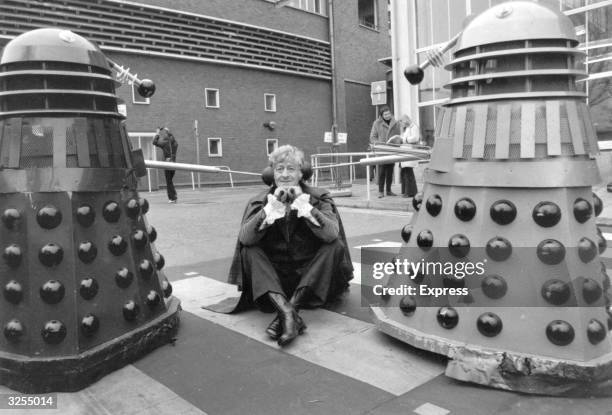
194	167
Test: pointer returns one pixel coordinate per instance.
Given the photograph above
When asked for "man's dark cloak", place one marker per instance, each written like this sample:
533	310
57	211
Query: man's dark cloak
236	275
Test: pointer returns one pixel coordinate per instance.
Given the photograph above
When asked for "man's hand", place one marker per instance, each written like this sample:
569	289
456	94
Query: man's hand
287	194
304	208
274	209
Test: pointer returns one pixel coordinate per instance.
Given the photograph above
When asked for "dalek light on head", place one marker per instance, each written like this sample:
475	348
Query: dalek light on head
509	184
83	290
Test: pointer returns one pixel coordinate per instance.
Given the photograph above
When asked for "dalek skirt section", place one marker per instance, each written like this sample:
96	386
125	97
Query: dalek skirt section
508	193
83	293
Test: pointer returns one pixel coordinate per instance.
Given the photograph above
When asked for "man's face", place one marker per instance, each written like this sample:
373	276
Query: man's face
387	115
287	173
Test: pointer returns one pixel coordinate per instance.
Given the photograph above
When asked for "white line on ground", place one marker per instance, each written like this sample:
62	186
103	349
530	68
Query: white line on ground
189	274
383	244
379	212
356	273
348	346
431	409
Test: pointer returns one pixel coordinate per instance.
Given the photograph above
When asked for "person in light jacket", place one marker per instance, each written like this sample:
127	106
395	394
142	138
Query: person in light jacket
409	136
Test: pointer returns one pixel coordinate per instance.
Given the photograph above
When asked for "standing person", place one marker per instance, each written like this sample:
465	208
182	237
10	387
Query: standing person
409	136
383	128
166	141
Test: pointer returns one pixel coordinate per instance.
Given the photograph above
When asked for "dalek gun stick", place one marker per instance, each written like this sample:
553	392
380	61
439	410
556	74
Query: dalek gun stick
415	73
146	87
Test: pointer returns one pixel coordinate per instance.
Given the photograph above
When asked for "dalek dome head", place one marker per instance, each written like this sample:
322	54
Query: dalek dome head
516	50
53	72
53	45
514	21
58	106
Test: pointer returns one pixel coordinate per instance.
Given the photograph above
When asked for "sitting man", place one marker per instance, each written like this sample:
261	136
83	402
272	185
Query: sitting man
291	251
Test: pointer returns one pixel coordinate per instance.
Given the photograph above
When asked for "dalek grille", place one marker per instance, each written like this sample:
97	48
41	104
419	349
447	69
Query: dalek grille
31	87
509	70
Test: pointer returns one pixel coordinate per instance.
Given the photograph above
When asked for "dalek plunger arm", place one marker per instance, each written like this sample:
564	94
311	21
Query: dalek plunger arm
414	73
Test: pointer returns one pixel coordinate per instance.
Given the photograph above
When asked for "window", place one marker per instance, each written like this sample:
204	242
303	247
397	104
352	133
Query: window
270	102
368	13
313	6
215	147
271	145
136	98
212	97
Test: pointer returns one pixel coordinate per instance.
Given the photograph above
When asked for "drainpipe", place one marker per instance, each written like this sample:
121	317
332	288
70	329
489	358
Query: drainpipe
332	47
330	12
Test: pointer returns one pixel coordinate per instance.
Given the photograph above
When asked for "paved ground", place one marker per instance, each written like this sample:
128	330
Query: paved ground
224	364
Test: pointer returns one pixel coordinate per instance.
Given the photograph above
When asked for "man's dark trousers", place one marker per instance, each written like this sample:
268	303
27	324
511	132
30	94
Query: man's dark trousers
169	184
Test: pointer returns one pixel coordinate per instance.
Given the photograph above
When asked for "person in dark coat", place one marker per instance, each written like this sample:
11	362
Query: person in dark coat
291	251
166	141
383	128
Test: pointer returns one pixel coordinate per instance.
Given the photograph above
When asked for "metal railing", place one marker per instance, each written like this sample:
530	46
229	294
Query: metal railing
314	161
317	165
193	168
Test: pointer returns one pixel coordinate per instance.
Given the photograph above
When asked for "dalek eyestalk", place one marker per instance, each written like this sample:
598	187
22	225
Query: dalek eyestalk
146	87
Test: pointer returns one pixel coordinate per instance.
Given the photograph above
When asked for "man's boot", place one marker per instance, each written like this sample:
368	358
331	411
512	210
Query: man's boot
297	300
289	322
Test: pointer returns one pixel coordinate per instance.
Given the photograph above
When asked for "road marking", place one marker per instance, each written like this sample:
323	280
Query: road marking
431	409
189	274
345	345
376	240
607	235
383	244
379	212
356	274
125	391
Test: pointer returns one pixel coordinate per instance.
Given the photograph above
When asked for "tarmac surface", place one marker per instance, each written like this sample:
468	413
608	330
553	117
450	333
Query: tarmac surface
225	364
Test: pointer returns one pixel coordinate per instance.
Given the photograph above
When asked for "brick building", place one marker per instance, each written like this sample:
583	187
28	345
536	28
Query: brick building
252	74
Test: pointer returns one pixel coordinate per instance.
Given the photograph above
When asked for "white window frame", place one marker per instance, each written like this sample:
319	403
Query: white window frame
217	95
219	146
376	22
273	109
136	98
268	141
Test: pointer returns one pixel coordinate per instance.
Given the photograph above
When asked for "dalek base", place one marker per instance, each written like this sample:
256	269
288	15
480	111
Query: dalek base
73	373
536	375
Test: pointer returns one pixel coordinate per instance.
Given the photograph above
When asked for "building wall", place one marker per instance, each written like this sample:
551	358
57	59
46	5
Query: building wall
303	111
360	115
304	106
357	50
255	12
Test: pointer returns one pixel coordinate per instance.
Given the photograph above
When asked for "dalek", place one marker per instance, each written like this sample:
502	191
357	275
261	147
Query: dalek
509	187
83	291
